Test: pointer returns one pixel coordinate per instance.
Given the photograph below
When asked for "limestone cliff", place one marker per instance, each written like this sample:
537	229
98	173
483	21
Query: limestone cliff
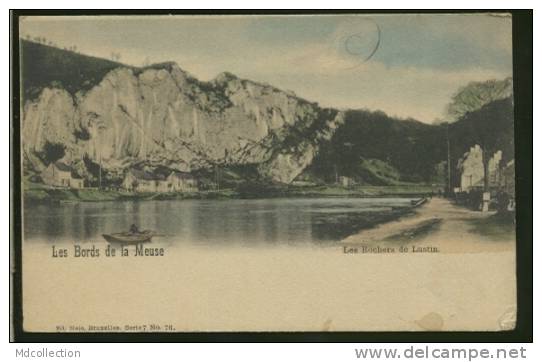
161	115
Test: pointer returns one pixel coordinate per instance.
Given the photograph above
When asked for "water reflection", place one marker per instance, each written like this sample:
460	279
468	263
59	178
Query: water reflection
210	221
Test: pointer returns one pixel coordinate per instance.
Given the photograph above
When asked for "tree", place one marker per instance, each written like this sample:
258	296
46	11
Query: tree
477	94
491	127
52	152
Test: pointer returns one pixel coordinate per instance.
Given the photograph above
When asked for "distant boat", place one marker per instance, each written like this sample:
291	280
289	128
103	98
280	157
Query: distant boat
144	236
418	202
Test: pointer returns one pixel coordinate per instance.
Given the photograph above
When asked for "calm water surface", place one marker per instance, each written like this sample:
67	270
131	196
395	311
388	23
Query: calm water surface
322	220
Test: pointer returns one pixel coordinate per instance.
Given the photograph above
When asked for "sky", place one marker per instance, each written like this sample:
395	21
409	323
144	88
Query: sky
405	65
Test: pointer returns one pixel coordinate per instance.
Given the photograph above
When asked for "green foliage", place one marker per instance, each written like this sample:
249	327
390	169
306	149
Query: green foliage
380	171
376	149
491	127
407	146
475	95
255	190
228	176
440	175
46	66
52	152
92	167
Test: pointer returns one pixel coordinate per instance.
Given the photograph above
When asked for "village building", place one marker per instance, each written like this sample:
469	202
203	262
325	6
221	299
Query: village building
345	181
58	174
471	169
142	181
508	178
182	182
494	169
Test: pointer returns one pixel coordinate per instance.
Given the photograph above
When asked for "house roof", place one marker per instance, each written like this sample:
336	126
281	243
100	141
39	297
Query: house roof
65	168
144	175
182	175
62	166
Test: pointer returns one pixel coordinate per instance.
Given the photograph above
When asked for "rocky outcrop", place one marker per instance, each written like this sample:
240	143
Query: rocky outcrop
163	116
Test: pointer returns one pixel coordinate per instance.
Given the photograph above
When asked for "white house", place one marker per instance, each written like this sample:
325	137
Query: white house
471	169
142	181
182	181
508	178
58	174
346	181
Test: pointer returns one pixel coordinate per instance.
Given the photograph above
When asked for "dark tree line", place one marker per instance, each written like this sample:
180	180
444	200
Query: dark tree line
491	127
418	151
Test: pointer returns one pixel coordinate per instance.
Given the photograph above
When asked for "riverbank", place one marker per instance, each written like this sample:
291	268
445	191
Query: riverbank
445	226
37	193
45	195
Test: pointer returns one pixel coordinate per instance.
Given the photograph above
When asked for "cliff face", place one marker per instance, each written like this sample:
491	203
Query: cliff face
93	111
163	116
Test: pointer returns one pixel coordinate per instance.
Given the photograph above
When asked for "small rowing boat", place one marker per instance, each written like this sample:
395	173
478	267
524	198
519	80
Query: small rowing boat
144	236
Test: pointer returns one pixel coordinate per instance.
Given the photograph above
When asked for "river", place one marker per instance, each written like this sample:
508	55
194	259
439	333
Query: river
212	222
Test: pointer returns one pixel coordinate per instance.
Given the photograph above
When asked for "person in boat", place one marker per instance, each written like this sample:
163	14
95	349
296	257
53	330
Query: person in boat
134	229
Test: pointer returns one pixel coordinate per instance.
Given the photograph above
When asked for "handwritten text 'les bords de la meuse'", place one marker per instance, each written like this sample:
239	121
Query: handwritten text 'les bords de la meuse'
79	251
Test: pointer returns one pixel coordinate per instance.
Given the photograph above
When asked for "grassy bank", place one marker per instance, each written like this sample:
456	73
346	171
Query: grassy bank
65	195
363	191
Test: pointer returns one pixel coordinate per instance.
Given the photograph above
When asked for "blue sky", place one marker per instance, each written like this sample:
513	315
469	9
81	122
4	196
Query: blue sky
421	60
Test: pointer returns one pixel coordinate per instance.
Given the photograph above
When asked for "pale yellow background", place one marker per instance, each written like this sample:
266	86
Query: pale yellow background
271	289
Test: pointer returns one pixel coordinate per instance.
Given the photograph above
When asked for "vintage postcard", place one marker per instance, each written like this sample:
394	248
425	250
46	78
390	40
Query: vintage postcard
203	173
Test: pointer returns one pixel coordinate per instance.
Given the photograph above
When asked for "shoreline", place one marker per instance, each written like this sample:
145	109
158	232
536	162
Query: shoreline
442	225
44	195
